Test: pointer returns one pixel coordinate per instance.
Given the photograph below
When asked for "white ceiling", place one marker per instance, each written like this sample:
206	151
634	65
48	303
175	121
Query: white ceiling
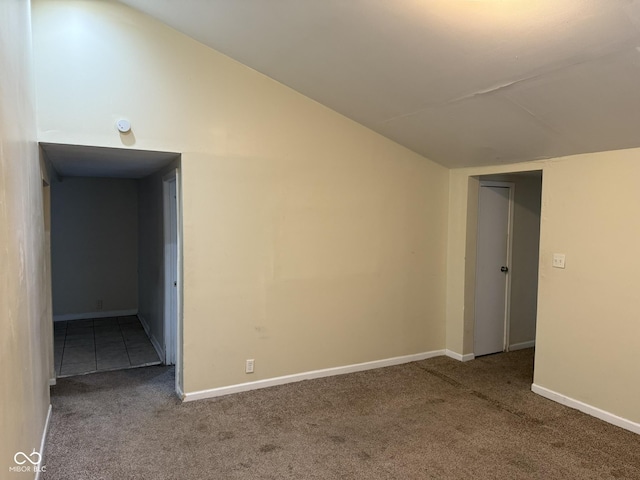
83	161
463	82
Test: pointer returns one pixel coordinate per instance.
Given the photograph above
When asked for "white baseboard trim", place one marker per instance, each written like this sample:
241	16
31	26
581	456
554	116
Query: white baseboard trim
154	340
43	443
298	377
588	409
52	381
100	314
459	357
522	346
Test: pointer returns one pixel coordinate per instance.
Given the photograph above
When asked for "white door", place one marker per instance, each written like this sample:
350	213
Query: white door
492	263
171	271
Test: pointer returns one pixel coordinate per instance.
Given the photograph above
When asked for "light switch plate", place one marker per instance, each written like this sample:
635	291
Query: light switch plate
558	260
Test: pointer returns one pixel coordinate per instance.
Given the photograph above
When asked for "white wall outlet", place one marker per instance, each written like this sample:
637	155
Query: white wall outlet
248	367
98	304
558	260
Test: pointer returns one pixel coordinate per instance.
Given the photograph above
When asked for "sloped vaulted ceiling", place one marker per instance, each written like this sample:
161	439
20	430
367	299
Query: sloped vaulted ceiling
462	82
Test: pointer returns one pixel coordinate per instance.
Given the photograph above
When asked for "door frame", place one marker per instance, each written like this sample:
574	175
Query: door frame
173	269
507	308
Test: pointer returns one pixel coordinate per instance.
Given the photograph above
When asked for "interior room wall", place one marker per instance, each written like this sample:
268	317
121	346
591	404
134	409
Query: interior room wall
588	321
587	328
310	242
524	256
94	242
151	258
25	315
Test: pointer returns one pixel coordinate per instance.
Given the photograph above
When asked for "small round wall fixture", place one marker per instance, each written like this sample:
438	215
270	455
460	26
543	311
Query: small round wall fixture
124	126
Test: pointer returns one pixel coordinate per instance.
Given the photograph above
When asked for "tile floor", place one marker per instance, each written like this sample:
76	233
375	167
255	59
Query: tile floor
95	345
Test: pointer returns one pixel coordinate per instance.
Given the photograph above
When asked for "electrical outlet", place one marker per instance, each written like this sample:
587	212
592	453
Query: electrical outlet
558	260
248	368
98	304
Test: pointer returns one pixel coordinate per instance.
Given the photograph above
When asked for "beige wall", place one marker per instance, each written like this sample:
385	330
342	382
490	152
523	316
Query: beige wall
589	313
94	242
309	241
524	261
587	325
25	315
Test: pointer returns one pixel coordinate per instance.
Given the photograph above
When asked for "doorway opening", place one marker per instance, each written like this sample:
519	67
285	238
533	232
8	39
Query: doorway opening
112	224
503	257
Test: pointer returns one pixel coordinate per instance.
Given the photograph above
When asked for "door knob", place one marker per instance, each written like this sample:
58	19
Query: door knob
504	269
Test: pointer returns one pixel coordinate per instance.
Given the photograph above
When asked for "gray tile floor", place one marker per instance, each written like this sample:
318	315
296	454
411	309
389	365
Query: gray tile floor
94	345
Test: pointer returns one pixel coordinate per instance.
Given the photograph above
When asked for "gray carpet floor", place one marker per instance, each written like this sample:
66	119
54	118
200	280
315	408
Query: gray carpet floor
434	419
